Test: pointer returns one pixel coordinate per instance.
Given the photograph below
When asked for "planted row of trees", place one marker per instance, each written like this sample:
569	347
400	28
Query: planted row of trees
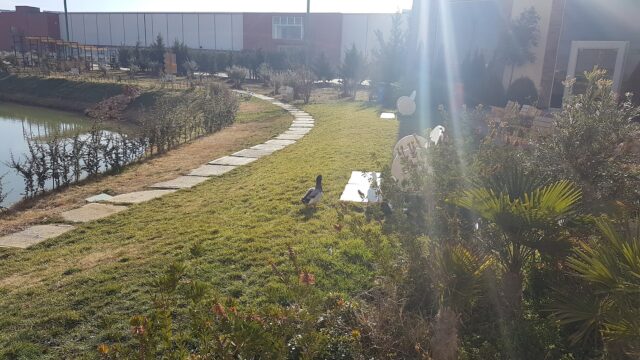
178	118
55	162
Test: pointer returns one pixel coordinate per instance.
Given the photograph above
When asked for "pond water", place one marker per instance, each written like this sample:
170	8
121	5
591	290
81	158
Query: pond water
19	122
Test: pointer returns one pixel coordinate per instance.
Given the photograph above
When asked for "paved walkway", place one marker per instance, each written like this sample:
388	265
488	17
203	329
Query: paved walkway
103	205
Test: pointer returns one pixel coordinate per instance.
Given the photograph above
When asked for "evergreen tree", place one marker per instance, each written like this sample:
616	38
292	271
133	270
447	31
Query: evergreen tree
352	71
322	68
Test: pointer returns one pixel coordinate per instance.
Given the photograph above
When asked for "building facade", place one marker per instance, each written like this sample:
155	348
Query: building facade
574	35
329	33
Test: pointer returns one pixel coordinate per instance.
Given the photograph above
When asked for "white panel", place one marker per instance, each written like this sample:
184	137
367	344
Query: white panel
90	29
175	28
159	27
237	31
142	30
63	29
354	32
207	31
223	32
148	23
77	28
103	28
381	22
191	30
130	29
117	29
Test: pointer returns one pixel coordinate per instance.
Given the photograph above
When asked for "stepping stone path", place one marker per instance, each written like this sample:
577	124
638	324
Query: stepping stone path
182	182
233	161
211	170
91	212
97	209
138	197
98	198
33	235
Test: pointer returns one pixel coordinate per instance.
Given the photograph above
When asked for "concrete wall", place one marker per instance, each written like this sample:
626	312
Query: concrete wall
197	30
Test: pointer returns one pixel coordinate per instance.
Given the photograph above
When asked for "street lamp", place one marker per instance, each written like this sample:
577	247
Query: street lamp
66	19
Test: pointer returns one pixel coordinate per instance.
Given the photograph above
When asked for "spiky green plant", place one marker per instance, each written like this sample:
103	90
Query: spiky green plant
520	220
609	308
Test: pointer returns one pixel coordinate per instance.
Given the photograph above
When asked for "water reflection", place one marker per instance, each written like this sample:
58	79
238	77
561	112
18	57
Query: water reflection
19	123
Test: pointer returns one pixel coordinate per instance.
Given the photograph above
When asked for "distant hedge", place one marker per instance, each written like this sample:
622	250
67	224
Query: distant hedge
56	93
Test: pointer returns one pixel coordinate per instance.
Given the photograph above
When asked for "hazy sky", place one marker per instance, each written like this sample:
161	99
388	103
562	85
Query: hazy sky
345	6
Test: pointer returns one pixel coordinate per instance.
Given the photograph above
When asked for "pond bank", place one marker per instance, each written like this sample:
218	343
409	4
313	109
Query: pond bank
60	94
247	130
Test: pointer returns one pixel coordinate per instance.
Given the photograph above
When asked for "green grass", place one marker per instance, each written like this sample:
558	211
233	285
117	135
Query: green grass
69	294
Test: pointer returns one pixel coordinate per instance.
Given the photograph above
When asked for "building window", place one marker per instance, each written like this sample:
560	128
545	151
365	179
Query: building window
288	27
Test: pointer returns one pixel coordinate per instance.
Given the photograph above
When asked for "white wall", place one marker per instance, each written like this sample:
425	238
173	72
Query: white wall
532	70
360	29
207	31
117	29
190	28
175	28
131	31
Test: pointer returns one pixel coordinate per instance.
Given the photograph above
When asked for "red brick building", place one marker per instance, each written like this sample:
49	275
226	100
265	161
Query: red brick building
283	31
27	21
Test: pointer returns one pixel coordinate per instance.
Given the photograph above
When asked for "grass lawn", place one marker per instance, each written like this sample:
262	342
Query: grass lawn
67	295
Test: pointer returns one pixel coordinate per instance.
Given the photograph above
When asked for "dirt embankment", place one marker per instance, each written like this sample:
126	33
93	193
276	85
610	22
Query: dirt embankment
58	94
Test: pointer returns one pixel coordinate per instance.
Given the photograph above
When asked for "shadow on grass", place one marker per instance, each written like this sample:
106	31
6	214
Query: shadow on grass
307	212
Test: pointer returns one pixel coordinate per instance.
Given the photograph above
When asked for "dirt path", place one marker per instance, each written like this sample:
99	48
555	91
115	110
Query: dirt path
257	121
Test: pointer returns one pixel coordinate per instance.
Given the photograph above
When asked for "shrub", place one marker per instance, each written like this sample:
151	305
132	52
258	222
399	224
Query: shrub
523	91
322	68
482	85
608	309
237	75
3	195
352	71
590	144
302	81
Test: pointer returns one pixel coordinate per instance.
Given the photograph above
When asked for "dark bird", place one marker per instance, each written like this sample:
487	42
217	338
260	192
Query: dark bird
314	194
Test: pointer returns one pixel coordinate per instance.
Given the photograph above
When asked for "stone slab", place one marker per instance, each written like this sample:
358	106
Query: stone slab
281	142
211	170
296	123
303	120
289	137
232	161
387	116
98	198
33	235
268	147
301	125
138	197
91	212
360	183
182	182
298	131
252	153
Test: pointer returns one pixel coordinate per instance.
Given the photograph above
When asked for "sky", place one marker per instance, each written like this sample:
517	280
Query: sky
344	6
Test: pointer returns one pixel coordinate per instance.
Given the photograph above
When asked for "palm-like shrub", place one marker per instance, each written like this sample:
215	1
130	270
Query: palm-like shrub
609	305
520	220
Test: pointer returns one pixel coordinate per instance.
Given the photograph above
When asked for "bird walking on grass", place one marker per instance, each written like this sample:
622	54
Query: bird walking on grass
314	194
